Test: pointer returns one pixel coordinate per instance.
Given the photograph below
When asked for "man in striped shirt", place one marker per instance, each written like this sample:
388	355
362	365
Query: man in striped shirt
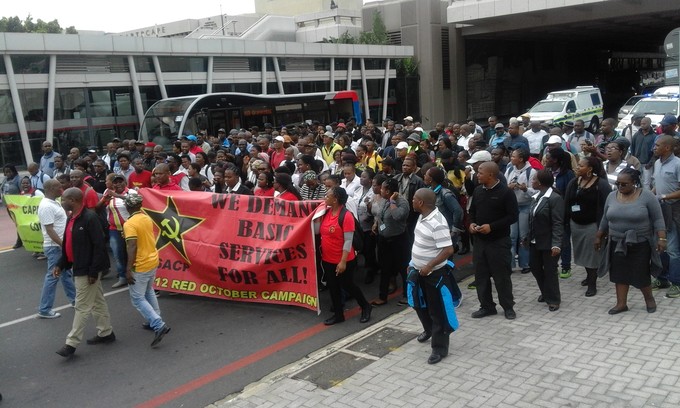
432	247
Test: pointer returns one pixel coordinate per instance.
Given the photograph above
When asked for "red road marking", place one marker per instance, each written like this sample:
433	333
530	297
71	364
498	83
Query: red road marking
253	358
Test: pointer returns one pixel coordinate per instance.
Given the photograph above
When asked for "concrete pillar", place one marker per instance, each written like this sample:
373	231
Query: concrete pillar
18	111
458	83
209	81
159	75
332	73
51	91
135	88
264	75
386	93
364	89
349	74
277	73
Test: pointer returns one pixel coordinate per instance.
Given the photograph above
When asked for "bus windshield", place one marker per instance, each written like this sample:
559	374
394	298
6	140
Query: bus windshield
163	119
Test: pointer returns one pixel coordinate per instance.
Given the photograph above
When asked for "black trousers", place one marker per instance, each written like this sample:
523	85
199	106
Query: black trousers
371	261
343	281
492	259
433	318
544	268
393	255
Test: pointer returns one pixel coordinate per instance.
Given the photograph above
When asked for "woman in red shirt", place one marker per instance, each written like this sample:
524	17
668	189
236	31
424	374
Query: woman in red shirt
338	260
283	183
265	185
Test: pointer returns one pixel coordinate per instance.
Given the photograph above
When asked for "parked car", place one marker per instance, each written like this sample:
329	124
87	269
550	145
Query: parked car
664	100
625	109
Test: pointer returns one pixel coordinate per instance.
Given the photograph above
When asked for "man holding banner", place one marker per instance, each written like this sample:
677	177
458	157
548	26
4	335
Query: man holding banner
53	223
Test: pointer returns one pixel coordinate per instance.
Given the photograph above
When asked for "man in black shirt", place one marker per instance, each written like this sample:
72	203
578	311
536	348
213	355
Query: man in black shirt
492	212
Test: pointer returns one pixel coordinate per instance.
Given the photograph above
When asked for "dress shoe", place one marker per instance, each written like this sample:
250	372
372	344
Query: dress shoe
160	334
146	326
333	320
584	282
102	340
365	314
66	351
525	270
464	251
483	313
435	358
510	314
592	291
651	309
423	337
553	308
614	310
378	302
540	299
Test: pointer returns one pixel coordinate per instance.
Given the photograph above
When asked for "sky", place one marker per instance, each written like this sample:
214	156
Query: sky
120	15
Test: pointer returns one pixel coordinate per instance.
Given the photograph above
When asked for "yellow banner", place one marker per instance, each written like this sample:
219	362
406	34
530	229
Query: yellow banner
24	212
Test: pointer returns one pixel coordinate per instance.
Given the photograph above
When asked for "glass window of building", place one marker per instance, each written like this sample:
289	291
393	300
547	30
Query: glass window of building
100	103
69	104
144	64
34	104
123	101
183	64
149	95
2	67
6	108
30	64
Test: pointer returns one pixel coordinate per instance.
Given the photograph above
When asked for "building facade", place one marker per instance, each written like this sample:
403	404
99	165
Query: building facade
84	90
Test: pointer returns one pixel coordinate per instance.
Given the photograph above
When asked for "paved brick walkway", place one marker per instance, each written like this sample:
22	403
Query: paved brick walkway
578	356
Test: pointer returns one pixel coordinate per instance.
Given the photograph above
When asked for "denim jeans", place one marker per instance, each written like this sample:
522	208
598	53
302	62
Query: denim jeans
119	251
673	251
53	254
518	233
144	299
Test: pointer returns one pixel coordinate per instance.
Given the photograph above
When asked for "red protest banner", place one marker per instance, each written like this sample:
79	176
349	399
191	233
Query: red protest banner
235	247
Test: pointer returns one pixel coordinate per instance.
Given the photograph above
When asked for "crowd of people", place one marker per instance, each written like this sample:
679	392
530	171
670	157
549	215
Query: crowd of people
522	195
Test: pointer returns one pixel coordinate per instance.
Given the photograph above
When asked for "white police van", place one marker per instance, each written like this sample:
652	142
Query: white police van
582	102
663	101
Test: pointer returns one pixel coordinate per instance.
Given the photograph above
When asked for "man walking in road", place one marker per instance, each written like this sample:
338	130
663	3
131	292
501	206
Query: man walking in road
84	251
53	223
493	210
141	266
431	249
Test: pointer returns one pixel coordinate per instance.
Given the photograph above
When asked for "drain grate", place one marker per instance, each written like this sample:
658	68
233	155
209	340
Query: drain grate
335	369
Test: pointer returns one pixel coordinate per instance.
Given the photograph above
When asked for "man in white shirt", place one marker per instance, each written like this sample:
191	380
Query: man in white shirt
465	136
535	137
53	223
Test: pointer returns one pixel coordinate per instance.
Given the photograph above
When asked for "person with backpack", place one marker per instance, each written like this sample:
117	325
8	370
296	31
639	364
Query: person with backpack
519	175
338	258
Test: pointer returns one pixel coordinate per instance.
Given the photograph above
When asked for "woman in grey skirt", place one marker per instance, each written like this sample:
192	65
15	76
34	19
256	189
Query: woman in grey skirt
637	234
584	203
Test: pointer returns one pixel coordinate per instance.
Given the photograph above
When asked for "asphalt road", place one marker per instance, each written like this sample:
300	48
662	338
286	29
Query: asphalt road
215	348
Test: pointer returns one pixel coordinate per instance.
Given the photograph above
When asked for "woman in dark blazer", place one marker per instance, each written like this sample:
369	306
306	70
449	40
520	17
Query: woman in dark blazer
545	238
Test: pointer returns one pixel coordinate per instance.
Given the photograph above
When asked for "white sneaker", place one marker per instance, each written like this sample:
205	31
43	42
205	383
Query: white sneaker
51	315
120	283
456	304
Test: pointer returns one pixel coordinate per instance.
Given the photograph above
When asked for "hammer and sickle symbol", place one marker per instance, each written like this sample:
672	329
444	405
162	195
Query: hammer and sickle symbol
168	232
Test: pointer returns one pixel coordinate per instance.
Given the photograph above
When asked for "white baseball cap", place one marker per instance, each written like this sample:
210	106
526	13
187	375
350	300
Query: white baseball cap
402	145
554	139
480	156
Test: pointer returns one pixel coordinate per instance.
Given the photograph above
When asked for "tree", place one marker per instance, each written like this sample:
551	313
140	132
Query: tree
16	25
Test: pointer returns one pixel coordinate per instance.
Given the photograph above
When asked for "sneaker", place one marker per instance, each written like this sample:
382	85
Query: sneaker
673	291
565	274
160	334
41	257
49	315
402	302
119	283
659	284
472	285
